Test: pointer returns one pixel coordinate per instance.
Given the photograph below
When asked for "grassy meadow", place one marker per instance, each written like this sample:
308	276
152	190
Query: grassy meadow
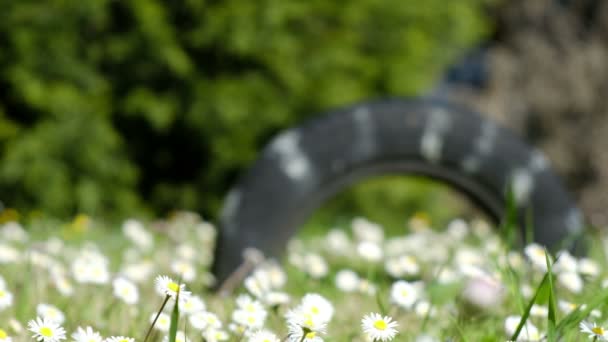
86	281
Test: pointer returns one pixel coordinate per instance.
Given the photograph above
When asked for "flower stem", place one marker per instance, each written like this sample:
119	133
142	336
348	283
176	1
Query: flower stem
155	318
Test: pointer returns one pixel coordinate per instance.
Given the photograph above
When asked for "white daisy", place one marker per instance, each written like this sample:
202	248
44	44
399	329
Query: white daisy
249	319
315	266
588	267
120	339
370	251
528	333
6	298
565	262
125	290
379	328
536	255
205	320
134	230
365	230
62	284
347	280
86	335
46	330
4	336
316	305
139	271
594	331
565	306
337	242
300	322
191	304
404	294
185	269
215	335
274	298
179	337
539	310
263	336
166	286
51	312
299	334
8	254
163	321
571	280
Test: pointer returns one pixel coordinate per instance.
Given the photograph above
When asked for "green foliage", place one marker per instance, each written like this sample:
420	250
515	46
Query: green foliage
107	105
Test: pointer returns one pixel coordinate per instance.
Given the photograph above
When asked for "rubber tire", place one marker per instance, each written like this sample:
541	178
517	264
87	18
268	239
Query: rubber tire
303	166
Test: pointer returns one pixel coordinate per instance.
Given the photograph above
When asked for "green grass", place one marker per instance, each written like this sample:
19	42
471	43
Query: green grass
453	314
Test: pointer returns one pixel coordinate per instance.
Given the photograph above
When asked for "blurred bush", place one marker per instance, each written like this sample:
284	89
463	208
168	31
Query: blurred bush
109	107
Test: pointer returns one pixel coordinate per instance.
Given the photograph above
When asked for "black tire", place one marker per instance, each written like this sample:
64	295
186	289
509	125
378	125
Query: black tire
303	166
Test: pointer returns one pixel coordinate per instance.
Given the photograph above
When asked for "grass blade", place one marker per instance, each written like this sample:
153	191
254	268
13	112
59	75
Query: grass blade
526	314
576	316
509	222
551	316
174	320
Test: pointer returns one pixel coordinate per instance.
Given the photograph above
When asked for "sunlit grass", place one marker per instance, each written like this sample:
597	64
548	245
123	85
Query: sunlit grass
467	281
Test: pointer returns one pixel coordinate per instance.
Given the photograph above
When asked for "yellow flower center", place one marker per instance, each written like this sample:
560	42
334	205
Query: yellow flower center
46	332
123	340
539	252
311	334
598	330
314	310
380	324
308	322
404	293
1	293
3	334
173	286
251	319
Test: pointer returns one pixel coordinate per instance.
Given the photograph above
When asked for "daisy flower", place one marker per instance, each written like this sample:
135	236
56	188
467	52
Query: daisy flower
46	330
379	328
215	335
62	284
86	335
120	339
370	251
572	281
162	323
594	331
125	290
536	254
191	305
528	333
299	334
185	269
316	305
347	280
205	320
249	319
166	286
51	312
263	336
134	230
6	299
404	294
5	338
179	337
